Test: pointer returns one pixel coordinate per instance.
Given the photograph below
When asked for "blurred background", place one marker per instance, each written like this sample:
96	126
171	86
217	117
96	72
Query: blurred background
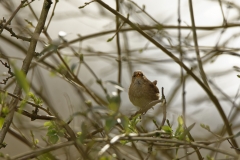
103	58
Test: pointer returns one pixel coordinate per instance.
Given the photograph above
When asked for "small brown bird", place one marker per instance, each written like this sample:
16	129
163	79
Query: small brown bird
142	91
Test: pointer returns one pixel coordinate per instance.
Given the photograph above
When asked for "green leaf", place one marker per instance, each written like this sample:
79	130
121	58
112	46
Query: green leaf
88	103
238	76
167	129
5	111
36	141
61	133
53	139
29	23
180	120
46	156
79	134
47	124
82	135
133	123
51	132
205	127
114	103
109	123
110	39
125	122
209	157
54	131
180	128
36	100
21	79
184	136
123	142
22	105
105	158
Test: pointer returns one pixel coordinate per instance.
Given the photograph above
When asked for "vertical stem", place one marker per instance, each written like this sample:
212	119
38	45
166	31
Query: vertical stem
202	73
182	71
181	59
118	47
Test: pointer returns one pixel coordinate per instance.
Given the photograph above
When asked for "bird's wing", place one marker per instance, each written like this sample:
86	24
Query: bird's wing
154	87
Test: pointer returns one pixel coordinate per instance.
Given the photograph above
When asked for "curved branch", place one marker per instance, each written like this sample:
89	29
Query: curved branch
171	55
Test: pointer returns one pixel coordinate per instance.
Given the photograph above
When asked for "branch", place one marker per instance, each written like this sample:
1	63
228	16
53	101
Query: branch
171	55
158	142
202	73
26	63
28	102
118	47
13	15
40	151
147	137
164	107
20	137
9	72
35	116
13	34
145	27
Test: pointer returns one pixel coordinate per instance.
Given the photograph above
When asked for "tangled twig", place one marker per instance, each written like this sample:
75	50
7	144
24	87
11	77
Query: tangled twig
11	74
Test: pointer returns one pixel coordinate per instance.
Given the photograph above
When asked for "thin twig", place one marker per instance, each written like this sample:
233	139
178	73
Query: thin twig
9	72
31	9
202	72
164	108
78	81
156	141
182	71
13	34
146	108
138	152
28	102
20	137
145	27
119	60
40	151
54	7
81	58
206	89
35	116
12	16
26	63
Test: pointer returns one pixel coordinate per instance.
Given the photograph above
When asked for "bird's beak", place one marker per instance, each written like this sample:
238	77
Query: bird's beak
138	74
